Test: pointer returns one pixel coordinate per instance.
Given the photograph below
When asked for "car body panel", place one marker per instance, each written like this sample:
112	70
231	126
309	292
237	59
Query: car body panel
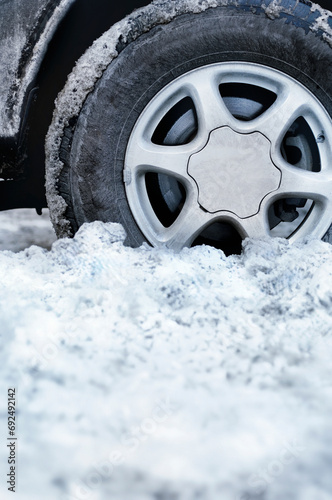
26	27
40	41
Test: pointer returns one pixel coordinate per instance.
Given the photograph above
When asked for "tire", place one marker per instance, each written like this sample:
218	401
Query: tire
208	129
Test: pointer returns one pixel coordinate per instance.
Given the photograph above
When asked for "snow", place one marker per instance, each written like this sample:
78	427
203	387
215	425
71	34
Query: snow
142	374
22	228
323	23
273	9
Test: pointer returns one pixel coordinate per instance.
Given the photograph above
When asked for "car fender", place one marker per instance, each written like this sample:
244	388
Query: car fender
26	27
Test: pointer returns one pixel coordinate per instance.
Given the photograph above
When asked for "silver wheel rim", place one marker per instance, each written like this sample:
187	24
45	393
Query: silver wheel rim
237	170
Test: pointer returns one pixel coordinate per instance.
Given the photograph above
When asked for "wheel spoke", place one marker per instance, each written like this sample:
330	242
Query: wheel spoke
149	157
254	227
190	223
210	107
276	120
298	183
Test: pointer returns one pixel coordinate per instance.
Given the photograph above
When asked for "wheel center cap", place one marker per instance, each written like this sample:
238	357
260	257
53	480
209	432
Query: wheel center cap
234	172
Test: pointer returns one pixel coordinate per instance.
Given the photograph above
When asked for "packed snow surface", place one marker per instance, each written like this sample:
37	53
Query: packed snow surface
141	374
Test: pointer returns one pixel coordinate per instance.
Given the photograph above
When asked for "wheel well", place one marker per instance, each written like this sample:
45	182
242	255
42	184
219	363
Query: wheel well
84	22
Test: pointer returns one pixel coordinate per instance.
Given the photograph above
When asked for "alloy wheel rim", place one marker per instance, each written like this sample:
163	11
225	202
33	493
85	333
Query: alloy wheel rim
181	143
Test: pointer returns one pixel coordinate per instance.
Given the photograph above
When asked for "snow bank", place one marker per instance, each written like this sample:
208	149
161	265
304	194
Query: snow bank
144	374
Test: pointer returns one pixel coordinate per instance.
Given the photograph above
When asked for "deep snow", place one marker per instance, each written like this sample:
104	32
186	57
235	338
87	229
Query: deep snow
145	375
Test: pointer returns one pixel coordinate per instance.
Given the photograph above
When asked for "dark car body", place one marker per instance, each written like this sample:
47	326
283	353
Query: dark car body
40	40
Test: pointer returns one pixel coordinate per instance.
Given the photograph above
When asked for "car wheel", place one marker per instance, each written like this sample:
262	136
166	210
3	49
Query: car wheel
211	128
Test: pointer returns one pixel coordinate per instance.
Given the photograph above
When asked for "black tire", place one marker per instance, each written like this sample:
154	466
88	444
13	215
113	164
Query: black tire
94	147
